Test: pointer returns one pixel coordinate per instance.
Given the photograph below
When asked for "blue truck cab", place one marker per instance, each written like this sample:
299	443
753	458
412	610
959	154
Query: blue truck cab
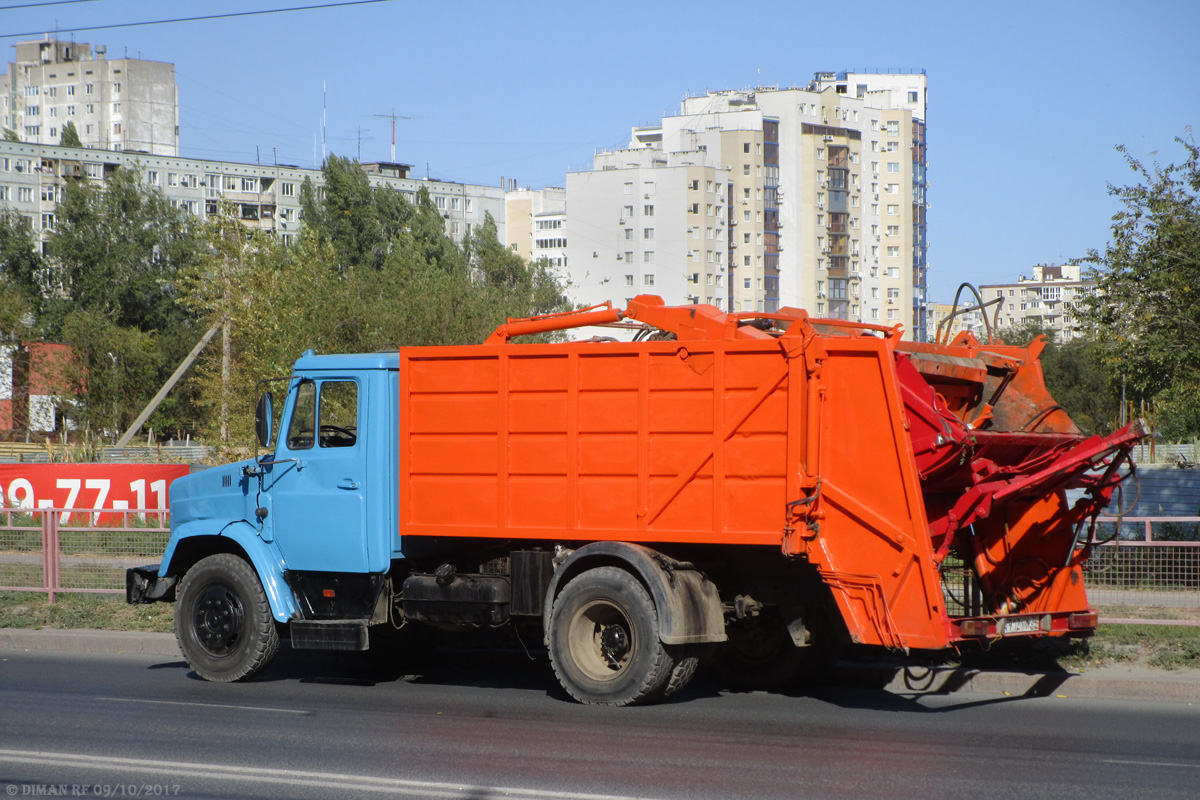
299	540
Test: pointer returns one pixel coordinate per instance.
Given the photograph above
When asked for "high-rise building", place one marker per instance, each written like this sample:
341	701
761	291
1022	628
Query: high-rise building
1050	298
810	197
117	104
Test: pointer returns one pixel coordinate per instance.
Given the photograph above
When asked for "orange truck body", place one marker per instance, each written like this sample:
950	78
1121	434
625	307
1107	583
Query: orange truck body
885	466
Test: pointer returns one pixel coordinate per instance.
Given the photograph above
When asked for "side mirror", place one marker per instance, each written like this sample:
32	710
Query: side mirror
264	415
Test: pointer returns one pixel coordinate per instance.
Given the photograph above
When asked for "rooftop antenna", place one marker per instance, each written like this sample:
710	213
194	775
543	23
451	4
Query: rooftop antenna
323	122
393	117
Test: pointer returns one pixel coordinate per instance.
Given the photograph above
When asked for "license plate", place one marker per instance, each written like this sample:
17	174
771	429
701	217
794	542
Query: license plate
1022	625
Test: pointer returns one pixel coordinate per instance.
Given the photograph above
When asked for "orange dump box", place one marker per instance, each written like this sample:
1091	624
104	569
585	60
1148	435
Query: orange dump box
920	488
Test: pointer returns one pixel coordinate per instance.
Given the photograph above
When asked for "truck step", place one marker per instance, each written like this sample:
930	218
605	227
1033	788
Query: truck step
329	635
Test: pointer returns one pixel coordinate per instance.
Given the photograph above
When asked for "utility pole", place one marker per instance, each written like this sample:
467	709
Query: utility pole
393	117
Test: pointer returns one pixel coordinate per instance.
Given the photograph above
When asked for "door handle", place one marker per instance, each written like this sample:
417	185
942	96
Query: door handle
347	483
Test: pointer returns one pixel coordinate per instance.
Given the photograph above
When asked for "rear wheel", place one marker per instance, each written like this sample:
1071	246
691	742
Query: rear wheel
604	643
223	622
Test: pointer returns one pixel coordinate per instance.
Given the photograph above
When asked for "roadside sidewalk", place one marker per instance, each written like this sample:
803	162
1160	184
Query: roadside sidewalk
1115	682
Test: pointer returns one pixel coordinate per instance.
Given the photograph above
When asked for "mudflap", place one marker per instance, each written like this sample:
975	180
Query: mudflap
143	585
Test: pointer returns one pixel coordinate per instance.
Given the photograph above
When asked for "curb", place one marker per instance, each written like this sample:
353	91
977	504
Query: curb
78	640
1112	683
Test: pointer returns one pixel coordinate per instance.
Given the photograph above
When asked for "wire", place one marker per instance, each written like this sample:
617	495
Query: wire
199	19
39	5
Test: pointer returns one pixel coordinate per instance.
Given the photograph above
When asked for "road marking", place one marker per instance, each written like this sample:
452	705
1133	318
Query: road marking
332	780
1148	763
205	705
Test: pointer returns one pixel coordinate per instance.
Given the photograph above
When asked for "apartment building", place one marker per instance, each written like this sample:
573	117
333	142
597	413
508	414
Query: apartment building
115	104
1049	297
645	221
535	224
812	197
33	179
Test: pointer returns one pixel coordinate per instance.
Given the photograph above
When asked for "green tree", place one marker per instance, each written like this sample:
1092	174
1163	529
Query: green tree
370	272
110	291
11	136
20	268
117	248
70	136
1147	299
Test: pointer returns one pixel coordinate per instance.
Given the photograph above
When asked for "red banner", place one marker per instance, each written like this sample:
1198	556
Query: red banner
116	487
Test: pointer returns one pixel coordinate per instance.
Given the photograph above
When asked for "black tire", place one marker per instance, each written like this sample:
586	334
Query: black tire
223	622
760	654
604	643
685	667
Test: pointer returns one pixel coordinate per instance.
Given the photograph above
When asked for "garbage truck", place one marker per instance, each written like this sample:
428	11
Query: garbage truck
756	488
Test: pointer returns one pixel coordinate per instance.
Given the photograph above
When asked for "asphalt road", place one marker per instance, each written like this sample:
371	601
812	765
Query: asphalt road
327	726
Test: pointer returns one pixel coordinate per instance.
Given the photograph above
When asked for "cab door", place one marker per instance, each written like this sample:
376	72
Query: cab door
318	481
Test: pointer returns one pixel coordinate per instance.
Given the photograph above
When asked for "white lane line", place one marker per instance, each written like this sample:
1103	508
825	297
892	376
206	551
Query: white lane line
1149	763
331	780
204	705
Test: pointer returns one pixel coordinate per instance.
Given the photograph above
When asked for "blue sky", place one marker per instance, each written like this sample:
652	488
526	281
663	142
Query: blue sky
1026	99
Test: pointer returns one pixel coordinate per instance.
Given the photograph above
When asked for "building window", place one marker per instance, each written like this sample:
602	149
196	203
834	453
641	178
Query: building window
24	194
648	257
648	280
287	189
629	257
249	184
647	233
893	166
893	188
629	234
648	211
152	177
893	230
893	208
893	250
467	205
745	169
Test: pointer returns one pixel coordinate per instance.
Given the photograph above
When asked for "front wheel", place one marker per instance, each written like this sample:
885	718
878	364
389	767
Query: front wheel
604	643
223	621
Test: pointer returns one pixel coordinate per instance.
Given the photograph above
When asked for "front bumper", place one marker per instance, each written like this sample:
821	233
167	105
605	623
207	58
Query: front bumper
142	585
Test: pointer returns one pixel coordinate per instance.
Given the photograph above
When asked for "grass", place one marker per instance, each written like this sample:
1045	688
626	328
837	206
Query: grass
97	611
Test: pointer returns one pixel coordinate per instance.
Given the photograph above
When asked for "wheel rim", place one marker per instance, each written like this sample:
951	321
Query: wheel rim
601	639
219	619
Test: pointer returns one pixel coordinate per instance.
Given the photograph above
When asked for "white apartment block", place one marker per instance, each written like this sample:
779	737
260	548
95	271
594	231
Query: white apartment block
117	104
646	221
1049	297
33	179
813	197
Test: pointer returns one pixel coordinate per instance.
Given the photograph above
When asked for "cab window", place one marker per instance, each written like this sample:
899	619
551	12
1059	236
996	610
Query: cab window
304	413
338	414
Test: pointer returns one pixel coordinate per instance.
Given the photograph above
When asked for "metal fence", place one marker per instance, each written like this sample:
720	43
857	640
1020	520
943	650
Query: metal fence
1148	571
58	551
